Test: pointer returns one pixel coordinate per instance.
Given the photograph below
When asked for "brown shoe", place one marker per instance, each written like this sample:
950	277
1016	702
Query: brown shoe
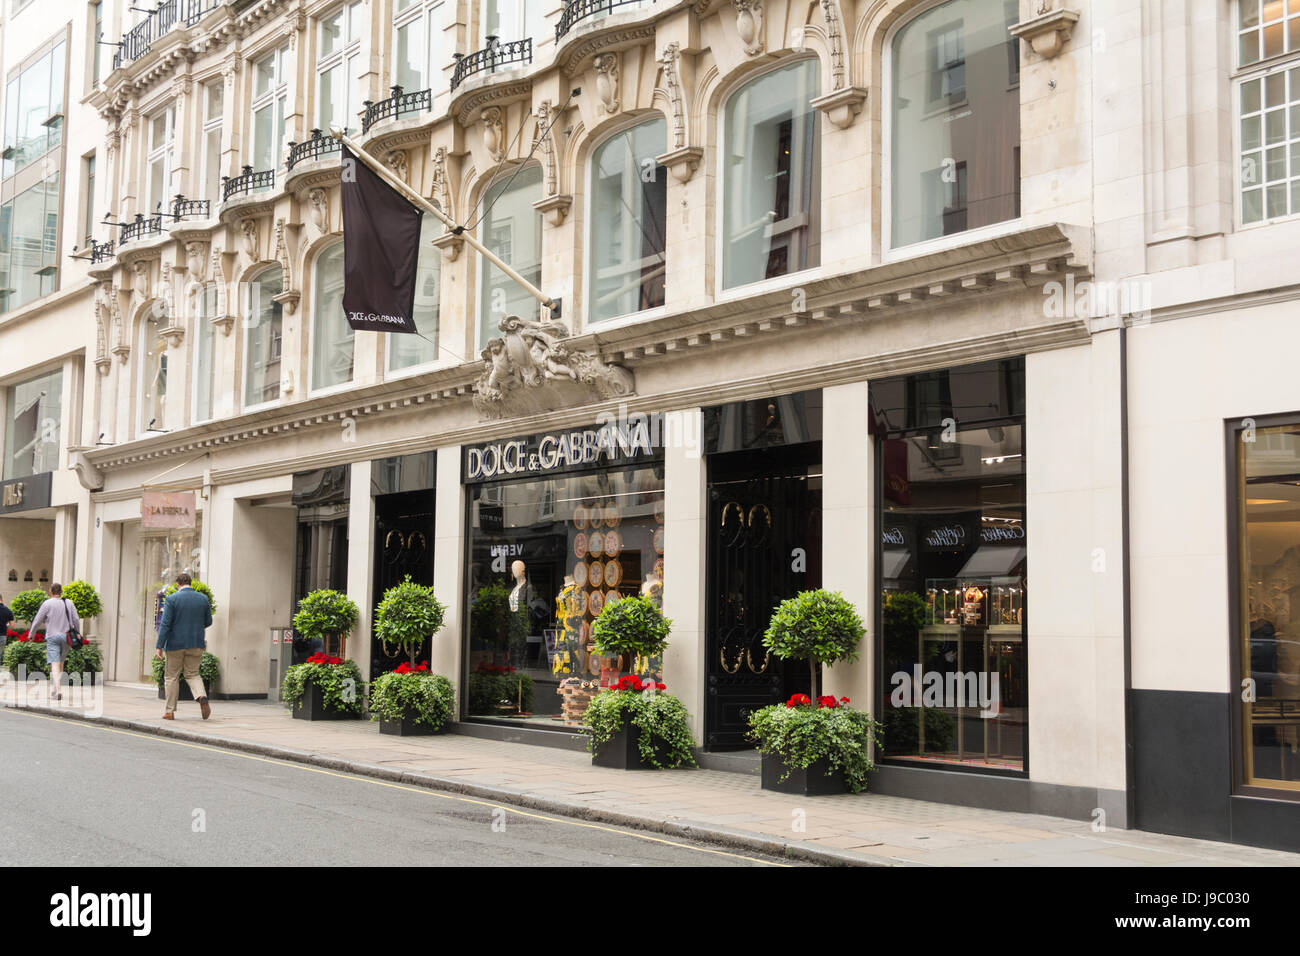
204	708
169	716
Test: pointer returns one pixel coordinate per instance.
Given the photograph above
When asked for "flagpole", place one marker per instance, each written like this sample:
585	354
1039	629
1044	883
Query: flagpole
384	173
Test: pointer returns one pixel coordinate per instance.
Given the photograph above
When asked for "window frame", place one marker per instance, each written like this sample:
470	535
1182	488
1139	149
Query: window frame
143	416
347	56
30	377
482	265
276	97
246	326
391	337
312	388
427	13
203	324
165	152
208	126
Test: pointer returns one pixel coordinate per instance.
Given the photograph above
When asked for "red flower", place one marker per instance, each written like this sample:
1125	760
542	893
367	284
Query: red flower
798	700
844	700
661	686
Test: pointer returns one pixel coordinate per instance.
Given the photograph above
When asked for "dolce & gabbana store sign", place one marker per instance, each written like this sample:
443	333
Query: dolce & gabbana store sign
636	439
25	494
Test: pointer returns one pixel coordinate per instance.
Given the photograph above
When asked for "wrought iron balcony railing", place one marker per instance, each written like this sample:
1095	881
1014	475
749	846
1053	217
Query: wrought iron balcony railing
575	11
182	207
137	41
495	54
246	182
395	106
141	227
312	149
95	251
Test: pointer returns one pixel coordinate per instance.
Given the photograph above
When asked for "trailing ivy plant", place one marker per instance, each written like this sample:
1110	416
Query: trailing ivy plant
408	614
665	740
339	682
25	604
209	669
633	626
198	586
802	733
325	612
84	598
817	626
414	694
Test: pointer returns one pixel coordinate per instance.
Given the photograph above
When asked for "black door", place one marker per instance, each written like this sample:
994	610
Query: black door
764	546
403	546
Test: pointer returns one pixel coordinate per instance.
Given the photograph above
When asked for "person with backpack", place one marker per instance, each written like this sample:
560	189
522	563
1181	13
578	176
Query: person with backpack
60	619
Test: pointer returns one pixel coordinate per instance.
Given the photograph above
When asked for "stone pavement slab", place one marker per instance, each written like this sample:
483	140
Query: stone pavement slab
727	808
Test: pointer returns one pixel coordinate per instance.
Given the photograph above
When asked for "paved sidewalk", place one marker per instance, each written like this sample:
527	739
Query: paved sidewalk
721	807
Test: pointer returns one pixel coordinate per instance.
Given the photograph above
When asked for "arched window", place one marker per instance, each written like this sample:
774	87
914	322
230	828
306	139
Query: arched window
331	336
263	328
405	350
771	179
153	372
628	203
512	229
204	339
955	121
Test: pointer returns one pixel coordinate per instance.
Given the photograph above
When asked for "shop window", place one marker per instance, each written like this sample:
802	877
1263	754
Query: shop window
1267	688
162	132
771	187
213	113
409	351
205	340
955	121
512	229
263	328
153	374
510	20
338	68
332	339
1268	105
953	566
627	210
419	45
270	94
546	555
33	410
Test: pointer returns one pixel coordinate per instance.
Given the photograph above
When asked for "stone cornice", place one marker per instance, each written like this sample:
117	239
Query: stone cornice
466	107
575	58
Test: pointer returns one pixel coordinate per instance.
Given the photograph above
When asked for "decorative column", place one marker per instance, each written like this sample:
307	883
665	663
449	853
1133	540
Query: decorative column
685	547
361	532
447	648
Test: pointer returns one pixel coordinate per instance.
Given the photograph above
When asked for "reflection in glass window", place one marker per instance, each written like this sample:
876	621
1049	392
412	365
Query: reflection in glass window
628	205
263	328
34	110
955	130
771	178
29	244
331	337
408	351
338	68
1268	483
33	410
512	229
953	566
270	94
153	373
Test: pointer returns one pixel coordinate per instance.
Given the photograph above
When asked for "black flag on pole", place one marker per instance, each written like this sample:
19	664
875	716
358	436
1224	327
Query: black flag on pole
381	246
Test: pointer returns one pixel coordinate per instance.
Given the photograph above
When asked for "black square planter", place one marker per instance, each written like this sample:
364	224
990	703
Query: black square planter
811	782
623	753
185	693
407	727
311	706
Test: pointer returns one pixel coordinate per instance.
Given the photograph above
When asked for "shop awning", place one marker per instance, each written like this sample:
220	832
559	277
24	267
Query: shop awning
893	562
992	562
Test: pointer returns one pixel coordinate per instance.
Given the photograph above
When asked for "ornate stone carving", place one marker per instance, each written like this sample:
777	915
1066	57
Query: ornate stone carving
606	67
396	161
318	201
548	147
102	361
441	188
87	474
249	229
289	297
120	348
1048	30
835	37
195	253
224	320
531	367
677	102
749	24
140	284
494	133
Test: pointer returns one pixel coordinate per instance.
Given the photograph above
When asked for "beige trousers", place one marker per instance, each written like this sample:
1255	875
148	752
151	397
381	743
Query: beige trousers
186	661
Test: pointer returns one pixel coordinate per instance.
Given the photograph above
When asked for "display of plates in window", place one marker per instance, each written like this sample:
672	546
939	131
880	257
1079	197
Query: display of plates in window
613	543
596	544
580	545
613	514
580	517
595	603
613	574
659	511
612	596
580	574
596	575
659	541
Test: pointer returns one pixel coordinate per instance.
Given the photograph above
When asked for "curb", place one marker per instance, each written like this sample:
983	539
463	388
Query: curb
695	830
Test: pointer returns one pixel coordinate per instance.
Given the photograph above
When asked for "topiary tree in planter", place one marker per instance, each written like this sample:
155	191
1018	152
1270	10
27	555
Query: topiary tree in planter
324	614
198	586
410	699
820	626
84	598
26	603
632	626
408	615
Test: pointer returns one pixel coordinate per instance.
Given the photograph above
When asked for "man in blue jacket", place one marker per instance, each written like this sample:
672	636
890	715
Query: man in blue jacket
186	614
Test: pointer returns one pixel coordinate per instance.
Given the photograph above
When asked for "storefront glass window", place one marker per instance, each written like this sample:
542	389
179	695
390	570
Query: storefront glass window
771	176
408	351
512	229
1268	482
955	159
332	339
545	556
32	420
263	326
953	565
629	201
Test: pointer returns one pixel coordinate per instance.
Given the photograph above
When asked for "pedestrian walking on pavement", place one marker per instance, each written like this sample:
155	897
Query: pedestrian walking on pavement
186	614
59	616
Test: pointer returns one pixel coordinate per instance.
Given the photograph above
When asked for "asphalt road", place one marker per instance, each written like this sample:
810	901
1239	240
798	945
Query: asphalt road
74	794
